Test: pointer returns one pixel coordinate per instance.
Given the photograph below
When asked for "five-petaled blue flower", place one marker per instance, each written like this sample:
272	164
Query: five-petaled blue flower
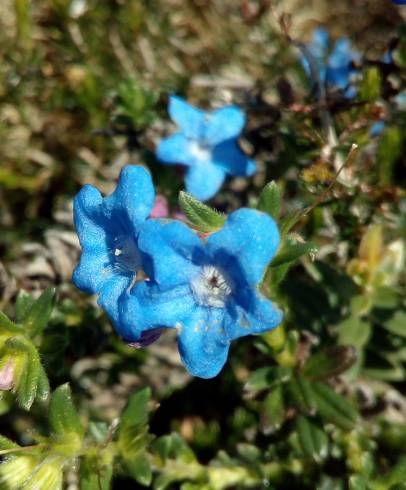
108	230
332	69
207	145
206	290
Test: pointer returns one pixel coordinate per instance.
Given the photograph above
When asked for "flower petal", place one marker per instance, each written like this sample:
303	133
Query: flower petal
110	294
147	307
171	249
175	150
249	237
89	220
232	160
203	180
92	271
319	43
190	119
251	314
130	204
224	124
90	226
202	342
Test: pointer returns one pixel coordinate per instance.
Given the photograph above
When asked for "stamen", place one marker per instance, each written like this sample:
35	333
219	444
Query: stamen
211	287
126	256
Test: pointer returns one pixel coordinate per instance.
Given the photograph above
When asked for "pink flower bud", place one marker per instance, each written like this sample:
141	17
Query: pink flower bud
161	208
7	376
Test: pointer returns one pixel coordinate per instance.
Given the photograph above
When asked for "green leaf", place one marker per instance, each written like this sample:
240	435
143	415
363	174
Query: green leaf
43	388
270	200
330	362
202	217
135	414
249	452
39	313
274	411
176	461
354	331
139	468
397	324
386	297
301	394
23	304
6	443
290	220
173	446
394	476
357	482
313	440
7	324
28	383
333	407
266	378
133	434
371	84
94	475
63	416
389	150
292	251
98	431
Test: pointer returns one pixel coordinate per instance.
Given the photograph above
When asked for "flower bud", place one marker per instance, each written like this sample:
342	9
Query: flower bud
7	375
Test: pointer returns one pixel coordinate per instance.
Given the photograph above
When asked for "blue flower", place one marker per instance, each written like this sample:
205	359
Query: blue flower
207	145
207	290
376	129
332	69
108	230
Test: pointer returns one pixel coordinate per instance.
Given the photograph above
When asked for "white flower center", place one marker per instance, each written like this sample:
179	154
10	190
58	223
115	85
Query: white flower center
210	287
199	151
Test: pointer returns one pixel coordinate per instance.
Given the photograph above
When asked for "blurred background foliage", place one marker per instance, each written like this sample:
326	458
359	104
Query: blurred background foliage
320	403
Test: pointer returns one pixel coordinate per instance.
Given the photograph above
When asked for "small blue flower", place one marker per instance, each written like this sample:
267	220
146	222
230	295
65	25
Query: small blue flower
332	69
207	145
108	230
207	290
376	129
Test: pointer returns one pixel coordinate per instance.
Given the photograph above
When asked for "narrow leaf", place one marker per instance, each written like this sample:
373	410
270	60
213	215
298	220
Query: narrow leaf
313	440
43	388
7	324
329	362
334	407
93	475
28	383
270	200
23	304
39	313
63	416
274	411
293	251
290	220
6	443
266	378
201	216
301	394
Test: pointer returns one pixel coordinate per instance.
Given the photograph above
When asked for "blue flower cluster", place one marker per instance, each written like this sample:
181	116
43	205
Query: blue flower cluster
334	69
150	274
206	144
